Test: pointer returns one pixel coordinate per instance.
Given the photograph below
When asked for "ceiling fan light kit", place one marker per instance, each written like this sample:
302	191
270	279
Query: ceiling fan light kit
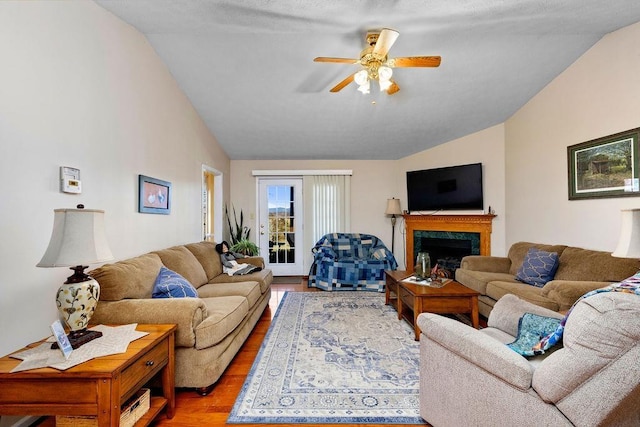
377	66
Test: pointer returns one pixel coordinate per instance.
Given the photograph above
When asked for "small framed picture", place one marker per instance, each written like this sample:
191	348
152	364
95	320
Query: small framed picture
154	195
61	338
605	167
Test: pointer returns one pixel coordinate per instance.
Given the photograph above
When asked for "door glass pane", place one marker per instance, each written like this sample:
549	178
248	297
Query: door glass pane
280	200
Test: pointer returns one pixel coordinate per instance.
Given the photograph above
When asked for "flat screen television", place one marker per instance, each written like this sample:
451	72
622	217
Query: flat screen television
449	188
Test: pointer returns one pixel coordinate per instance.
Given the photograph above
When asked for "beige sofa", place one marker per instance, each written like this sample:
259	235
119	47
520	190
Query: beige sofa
579	271
469	377
211	328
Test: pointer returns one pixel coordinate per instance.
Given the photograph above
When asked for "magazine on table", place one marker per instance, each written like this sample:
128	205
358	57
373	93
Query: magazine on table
434	283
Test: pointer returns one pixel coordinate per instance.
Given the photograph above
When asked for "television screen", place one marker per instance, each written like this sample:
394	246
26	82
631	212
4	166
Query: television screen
449	188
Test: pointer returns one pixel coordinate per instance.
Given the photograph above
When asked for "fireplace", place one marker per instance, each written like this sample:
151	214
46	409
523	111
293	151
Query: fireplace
447	251
447	237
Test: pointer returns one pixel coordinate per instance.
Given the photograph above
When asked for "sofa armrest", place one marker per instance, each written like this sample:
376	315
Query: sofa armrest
566	292
478	348
490	264
508	310
187	313
258	261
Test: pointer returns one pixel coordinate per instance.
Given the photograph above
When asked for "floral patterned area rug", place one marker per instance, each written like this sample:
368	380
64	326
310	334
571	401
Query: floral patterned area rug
335	357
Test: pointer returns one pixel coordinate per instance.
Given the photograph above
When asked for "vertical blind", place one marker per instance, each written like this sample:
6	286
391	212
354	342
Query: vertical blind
327	205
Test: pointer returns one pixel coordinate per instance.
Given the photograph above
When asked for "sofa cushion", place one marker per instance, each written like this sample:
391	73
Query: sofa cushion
249	290
597	266
225	315
477	280
170	284
131	278
263	277
183	262
497	289
206	254
538	267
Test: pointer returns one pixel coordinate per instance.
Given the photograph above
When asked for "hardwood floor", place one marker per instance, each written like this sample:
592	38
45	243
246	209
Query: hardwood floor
213	409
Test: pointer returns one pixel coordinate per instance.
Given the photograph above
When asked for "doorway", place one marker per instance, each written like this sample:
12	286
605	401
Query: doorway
211	204
280	225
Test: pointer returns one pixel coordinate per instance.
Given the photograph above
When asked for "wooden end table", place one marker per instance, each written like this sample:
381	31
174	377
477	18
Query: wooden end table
412	299
97	387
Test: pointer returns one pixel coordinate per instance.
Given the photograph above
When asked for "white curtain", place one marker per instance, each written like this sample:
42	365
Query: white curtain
327	207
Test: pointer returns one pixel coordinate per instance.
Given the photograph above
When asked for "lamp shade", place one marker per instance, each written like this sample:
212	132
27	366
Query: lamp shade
393	207
629	242
78	238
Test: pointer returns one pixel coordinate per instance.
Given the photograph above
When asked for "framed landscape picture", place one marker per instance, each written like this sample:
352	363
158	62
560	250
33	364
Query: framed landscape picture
154	195
604	167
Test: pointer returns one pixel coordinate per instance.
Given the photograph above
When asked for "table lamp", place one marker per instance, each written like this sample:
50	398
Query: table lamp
78	238
393	209
629	242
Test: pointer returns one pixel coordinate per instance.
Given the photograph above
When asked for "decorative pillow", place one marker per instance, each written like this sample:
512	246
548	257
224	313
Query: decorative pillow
170	284
531	329
538	267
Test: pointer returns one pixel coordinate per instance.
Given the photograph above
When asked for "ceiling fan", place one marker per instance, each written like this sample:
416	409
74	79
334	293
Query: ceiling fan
377	66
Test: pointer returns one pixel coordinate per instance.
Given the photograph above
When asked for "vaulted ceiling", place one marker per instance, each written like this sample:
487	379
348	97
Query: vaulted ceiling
247	67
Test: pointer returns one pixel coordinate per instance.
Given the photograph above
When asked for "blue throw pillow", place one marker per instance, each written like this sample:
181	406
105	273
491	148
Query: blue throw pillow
170	284
538	267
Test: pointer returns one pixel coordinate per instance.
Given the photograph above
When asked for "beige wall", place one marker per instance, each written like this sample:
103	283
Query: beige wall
594	97
80	88
373	182
486	147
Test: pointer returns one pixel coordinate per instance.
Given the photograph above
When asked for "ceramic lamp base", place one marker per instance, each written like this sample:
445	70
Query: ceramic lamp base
76	300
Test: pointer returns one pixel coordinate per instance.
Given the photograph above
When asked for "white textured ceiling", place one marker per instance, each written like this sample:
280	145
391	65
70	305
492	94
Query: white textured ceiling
247	67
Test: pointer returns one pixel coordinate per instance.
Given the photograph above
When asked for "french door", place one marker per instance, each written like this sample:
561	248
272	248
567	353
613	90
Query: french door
280	225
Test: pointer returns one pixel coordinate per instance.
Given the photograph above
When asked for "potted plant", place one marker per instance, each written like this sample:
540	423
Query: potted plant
240	231
240	235
246	247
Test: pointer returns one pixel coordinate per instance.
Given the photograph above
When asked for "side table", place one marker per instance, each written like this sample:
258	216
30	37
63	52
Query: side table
97	387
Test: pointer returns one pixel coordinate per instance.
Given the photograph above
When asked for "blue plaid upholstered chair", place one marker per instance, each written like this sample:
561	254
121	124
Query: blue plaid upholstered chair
350	261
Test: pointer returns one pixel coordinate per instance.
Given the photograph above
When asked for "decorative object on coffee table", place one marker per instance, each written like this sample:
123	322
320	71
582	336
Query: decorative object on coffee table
423	266
78	238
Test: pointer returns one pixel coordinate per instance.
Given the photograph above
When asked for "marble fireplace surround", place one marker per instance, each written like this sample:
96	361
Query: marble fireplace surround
452	226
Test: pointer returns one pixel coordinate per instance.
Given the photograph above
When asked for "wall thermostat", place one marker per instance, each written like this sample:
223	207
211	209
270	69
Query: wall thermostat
70	180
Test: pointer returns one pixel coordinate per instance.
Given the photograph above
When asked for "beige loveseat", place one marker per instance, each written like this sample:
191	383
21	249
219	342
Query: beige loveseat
469	377
211	328
579	271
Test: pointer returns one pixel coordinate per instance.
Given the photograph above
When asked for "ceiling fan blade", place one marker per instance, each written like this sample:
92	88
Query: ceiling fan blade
342	84
393	88
338	60
415	61
386	39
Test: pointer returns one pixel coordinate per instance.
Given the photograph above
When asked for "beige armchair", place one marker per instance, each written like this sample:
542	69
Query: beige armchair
469	377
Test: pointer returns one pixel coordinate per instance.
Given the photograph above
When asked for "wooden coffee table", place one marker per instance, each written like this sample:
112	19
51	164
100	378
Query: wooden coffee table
413	299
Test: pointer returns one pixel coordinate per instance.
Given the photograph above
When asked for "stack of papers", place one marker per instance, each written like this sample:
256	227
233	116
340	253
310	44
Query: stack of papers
114	340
